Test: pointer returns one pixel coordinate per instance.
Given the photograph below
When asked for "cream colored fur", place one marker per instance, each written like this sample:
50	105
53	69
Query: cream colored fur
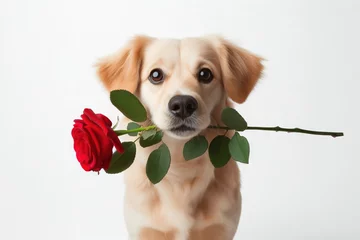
194	201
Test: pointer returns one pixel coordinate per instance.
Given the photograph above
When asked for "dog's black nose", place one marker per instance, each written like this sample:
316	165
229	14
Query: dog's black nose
183	106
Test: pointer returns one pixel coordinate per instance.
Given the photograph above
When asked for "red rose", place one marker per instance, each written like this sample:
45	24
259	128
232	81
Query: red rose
94	140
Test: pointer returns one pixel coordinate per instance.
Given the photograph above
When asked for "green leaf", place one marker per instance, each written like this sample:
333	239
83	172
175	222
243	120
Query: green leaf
149	133
158	164
239	148
129	105
219	151
232	119
122	161
195	147
131	126
154	139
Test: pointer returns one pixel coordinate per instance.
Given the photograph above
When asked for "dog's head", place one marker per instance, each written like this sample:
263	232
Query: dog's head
182	81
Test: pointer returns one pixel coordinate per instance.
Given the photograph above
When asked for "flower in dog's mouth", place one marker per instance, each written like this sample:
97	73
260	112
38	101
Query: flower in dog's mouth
95	138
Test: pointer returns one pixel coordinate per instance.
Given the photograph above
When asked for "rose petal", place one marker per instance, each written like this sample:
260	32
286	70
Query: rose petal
99	121
83	148
78	125
96	164
96	138
105	119
102	145
77	133
84	156
116	141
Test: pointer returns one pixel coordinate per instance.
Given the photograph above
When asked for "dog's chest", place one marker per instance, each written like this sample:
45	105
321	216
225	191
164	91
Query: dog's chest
172	203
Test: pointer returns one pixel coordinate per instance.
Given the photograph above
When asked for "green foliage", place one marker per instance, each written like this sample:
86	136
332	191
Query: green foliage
122	161
129	105
195	147
152	140
233	120
147	134
239	148
219	151
158	164
131	126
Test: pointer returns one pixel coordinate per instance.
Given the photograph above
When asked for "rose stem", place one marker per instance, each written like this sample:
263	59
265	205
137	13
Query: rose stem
289	130
135	130
275	129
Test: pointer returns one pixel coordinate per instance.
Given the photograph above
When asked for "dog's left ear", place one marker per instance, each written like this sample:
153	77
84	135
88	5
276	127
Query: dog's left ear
241	70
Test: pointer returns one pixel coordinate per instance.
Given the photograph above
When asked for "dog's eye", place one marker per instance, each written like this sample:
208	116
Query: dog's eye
156	76
205	75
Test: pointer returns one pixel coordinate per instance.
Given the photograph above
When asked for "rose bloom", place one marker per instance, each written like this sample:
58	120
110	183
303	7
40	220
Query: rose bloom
94	140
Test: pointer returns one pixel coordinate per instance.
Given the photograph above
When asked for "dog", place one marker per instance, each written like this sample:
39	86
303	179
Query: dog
184	85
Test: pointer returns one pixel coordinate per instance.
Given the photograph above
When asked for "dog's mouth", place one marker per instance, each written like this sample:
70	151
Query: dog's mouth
182	129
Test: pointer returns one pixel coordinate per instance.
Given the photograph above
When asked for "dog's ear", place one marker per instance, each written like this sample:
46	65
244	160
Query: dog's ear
241	70
122	70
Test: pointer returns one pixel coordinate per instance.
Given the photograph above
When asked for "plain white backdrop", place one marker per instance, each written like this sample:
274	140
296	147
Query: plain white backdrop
296	186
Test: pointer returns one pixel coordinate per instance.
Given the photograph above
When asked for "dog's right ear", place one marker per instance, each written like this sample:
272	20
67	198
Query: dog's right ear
122	70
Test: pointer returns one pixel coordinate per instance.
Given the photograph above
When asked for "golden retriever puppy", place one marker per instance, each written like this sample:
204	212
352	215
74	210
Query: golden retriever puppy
184	84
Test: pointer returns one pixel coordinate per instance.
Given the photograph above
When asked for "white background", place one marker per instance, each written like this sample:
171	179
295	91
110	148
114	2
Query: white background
296	187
